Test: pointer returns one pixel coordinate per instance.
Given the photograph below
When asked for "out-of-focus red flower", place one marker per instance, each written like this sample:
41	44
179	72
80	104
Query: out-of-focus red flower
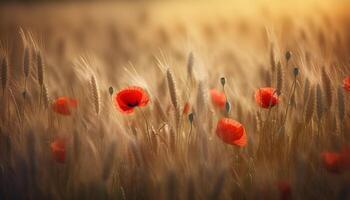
231	132
64	105
218	98
346	83
186	109
331	161
130	97
345	155
58	150
337	162
285	190
266	97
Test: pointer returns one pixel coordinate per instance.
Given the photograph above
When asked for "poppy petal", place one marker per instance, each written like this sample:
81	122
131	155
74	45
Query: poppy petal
346	83
231	132
266	97
331	161
63	105
242	141
129	98
218	98
58	150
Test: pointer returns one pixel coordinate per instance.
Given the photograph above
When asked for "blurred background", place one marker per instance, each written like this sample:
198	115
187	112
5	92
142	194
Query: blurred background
118	32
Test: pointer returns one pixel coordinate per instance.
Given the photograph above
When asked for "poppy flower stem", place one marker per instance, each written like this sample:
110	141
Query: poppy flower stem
227	104
270	109
268	116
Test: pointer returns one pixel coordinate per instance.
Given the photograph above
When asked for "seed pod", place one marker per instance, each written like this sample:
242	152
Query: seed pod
223	81
296	71
190	117
288	55
111	90
228	107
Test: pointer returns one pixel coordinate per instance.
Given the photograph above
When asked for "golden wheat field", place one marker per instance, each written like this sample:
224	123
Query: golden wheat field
175	100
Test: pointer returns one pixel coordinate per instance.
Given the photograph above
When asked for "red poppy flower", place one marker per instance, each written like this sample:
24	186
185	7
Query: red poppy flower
64	105
332	161
337	162
231	132
285	190
266	97
346	83
58	150
218	98
129	98
187	108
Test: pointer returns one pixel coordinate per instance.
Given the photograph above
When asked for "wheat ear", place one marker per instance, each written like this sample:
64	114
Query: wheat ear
279	78
310	106
327	86
41	69
341	104
95	94
4	74
319	102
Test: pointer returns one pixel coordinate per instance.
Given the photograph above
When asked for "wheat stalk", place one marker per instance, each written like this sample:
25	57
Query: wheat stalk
272	58
327	87
202	99
174	96
341	104
306	90
4	74
108	161
171	185
172	89
319	102
218	186
279	78
310	106
45	96
190	62
190	194
95	95
26	62
41	68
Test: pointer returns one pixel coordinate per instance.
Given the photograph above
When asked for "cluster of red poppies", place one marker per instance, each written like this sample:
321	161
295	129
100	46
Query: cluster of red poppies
227	129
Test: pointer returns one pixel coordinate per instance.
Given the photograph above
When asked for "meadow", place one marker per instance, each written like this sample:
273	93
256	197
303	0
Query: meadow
175	100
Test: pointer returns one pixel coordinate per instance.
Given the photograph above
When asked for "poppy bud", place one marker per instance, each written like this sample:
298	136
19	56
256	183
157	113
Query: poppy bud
190	117
223	81
218	98
228	106
110	89
24	94
288	55
296	71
